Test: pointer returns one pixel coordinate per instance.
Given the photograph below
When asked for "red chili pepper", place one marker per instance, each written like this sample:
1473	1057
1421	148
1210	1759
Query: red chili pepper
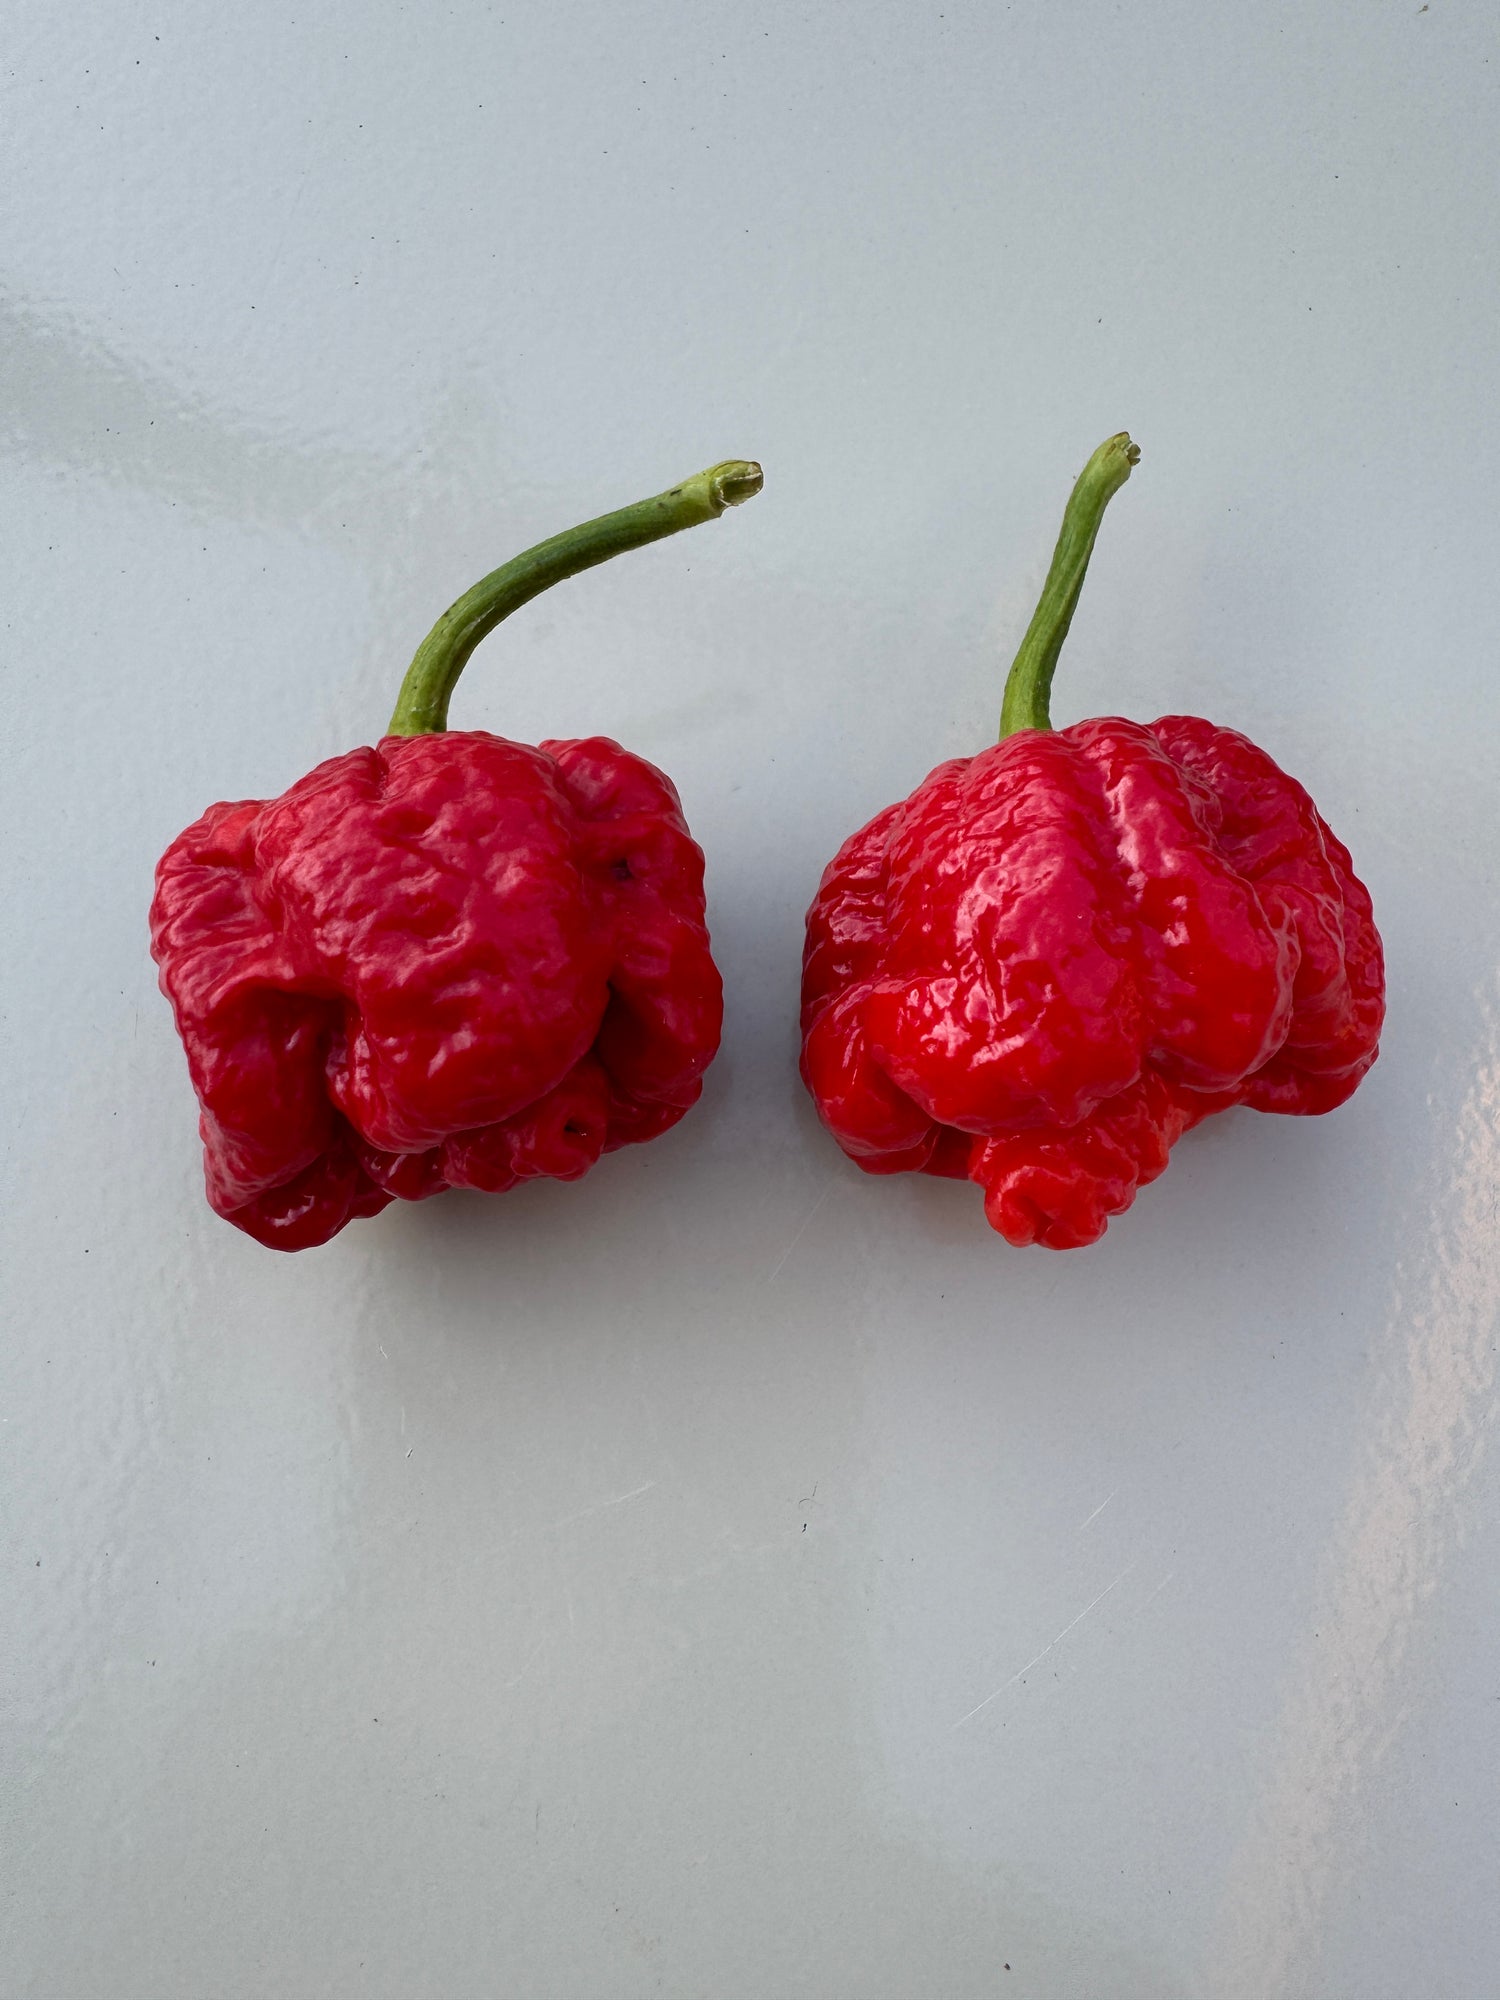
1051	960
448	961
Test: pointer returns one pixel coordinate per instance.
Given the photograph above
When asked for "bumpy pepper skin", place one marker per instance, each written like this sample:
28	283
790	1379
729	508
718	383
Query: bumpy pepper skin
450	960
1052	959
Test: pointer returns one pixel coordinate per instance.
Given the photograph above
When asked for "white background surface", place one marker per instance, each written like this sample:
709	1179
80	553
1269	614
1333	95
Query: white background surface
729	1576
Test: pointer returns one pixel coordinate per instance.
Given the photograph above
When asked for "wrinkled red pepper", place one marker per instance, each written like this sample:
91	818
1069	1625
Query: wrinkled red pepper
450	960
1043	967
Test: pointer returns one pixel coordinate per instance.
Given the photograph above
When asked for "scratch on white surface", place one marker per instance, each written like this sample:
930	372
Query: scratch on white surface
1151	1599
598	1507
1023	1671
806	1225
517	1678
1099	1509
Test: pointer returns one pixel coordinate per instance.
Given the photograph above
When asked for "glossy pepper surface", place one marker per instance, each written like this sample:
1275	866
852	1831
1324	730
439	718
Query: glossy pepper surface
449	960
1053	958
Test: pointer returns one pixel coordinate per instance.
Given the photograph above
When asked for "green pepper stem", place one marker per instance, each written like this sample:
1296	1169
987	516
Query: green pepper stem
1028	686
422	705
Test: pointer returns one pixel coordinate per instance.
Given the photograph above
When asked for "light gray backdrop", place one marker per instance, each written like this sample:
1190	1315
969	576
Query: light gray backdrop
730	1576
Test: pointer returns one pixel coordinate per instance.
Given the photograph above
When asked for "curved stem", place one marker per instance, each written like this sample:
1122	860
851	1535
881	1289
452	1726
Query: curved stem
422	705
1028	686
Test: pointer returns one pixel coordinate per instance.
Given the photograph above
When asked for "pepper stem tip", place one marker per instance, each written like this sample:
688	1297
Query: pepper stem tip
732	482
